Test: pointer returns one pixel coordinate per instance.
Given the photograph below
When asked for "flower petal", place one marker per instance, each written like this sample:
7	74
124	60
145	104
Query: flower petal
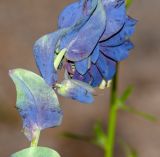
127	31
118	53
84	85
37	102
44	55
83	66
85	41
77	76
106	66
115	17
96	75
76	90
95	54
81	16
76	12
87	78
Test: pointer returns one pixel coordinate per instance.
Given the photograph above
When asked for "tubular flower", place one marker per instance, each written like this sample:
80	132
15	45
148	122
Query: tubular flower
95	35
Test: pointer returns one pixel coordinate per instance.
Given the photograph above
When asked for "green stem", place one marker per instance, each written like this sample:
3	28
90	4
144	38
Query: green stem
109	149
35	140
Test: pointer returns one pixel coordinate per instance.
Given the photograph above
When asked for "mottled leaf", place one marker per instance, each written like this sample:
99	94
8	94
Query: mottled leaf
36	152
37	102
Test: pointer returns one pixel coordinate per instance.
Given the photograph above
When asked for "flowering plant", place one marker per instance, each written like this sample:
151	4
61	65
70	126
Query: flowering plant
93	36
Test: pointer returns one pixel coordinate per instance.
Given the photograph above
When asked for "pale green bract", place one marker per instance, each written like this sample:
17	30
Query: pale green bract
36	152
37	102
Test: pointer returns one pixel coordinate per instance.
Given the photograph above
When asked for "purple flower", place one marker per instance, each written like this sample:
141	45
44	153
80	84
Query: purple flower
113	44
95	35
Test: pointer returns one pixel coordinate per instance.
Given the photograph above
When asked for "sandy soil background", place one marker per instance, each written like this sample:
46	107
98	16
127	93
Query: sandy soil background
22	22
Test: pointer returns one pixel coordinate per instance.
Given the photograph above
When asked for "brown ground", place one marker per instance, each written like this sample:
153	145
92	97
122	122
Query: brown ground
22	22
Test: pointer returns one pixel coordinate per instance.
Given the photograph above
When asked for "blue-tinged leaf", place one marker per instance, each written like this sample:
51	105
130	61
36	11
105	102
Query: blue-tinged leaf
118	53
83	65
87	37
106	66
36	152
37	102
77	12
95	54
96	75
44	55
115	17
123	35
76	90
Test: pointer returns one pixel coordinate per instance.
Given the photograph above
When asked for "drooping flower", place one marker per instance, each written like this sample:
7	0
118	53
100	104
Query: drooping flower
95	35
113	45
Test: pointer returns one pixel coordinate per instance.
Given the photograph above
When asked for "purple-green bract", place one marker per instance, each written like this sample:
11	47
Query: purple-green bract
37	102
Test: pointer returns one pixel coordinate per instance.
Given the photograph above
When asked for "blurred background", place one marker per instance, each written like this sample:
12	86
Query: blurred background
22	22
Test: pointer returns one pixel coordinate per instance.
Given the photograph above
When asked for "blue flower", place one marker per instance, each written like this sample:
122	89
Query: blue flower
95	35
112	46
76	90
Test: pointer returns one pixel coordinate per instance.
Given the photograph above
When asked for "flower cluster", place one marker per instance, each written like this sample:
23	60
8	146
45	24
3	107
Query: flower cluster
94	36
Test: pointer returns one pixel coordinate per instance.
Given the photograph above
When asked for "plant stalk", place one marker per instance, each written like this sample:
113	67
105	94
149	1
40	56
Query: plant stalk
112	120
34	142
